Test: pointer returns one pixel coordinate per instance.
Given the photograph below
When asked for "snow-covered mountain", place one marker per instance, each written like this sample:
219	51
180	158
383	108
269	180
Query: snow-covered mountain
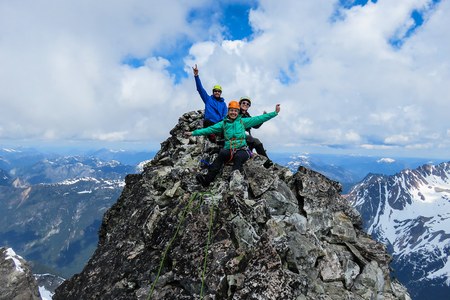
410	213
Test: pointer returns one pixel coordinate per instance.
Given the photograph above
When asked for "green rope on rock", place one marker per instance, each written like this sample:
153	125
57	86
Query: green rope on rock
211	214
183	216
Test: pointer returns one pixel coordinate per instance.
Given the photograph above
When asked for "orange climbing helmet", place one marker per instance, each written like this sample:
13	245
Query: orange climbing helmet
233	104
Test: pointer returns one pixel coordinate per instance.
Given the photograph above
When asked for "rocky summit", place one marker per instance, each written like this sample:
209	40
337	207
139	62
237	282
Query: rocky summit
256	234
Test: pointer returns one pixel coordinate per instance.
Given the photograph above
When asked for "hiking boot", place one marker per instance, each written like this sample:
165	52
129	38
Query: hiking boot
268	164
202	180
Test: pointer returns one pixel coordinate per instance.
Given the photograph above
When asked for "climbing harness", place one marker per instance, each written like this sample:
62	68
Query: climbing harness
235	142
183	216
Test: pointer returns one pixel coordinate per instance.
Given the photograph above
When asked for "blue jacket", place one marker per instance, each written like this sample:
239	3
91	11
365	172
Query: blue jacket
234	130
215	109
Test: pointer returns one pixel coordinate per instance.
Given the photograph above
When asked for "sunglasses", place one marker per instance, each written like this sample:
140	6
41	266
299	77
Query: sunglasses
217	91
245	103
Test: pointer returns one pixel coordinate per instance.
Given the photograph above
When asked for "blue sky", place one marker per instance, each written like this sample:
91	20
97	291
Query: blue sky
355	77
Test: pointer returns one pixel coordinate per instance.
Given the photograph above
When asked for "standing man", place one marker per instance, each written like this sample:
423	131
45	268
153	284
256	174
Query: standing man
215	107
252	142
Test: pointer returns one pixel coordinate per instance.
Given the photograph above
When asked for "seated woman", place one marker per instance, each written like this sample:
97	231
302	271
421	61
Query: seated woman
252	142
233	129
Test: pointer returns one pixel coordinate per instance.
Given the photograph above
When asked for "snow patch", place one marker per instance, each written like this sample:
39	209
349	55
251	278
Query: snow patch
10	150
386	160
45	294
85	192
10	254
443	272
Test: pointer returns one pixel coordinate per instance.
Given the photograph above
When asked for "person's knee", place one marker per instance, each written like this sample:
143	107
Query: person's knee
242	156
224	154
256	142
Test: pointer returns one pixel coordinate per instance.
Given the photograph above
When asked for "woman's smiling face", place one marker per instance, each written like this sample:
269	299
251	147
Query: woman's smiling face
233	113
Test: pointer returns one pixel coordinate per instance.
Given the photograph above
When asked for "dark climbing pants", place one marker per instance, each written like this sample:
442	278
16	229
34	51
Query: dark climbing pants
238	158
254	143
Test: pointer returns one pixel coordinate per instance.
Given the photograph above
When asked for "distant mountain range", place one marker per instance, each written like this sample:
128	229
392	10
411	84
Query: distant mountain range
348	169
410	213
51	205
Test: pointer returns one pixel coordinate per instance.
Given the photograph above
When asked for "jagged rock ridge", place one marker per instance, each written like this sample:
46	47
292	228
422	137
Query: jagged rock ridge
16	280
274	235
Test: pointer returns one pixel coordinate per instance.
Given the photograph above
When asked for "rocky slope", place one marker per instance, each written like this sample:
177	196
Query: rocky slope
262	234
16	280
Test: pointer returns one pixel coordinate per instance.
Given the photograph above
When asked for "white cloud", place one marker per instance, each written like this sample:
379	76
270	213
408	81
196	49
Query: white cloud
111	136
339	80
377	147
397	139
352	136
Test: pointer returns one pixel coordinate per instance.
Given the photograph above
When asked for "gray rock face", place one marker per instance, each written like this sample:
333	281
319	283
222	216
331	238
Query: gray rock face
16	280
259	234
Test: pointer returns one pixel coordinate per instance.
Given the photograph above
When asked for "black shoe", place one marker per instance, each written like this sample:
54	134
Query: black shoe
202	180
204	163
268	164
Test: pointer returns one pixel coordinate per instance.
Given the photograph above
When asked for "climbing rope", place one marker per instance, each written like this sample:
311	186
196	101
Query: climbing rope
211	214
183	216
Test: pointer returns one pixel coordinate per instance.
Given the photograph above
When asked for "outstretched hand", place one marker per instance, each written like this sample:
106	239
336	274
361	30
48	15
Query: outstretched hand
188	133
277	108
195	70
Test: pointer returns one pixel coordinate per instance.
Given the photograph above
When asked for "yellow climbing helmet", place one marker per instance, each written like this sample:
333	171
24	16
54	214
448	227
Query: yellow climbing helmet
233	104
217	87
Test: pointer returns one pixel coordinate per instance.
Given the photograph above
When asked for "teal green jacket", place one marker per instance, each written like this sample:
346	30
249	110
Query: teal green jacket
234	131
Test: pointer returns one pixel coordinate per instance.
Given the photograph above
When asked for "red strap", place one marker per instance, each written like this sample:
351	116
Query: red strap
231	149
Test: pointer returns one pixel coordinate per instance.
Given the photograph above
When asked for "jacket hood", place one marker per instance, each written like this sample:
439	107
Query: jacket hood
218	99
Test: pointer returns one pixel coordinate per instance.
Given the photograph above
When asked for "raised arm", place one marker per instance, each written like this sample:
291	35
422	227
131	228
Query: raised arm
254	121
203	94
213	129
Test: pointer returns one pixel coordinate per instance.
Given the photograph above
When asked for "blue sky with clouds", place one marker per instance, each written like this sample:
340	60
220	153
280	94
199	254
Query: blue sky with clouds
360	77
